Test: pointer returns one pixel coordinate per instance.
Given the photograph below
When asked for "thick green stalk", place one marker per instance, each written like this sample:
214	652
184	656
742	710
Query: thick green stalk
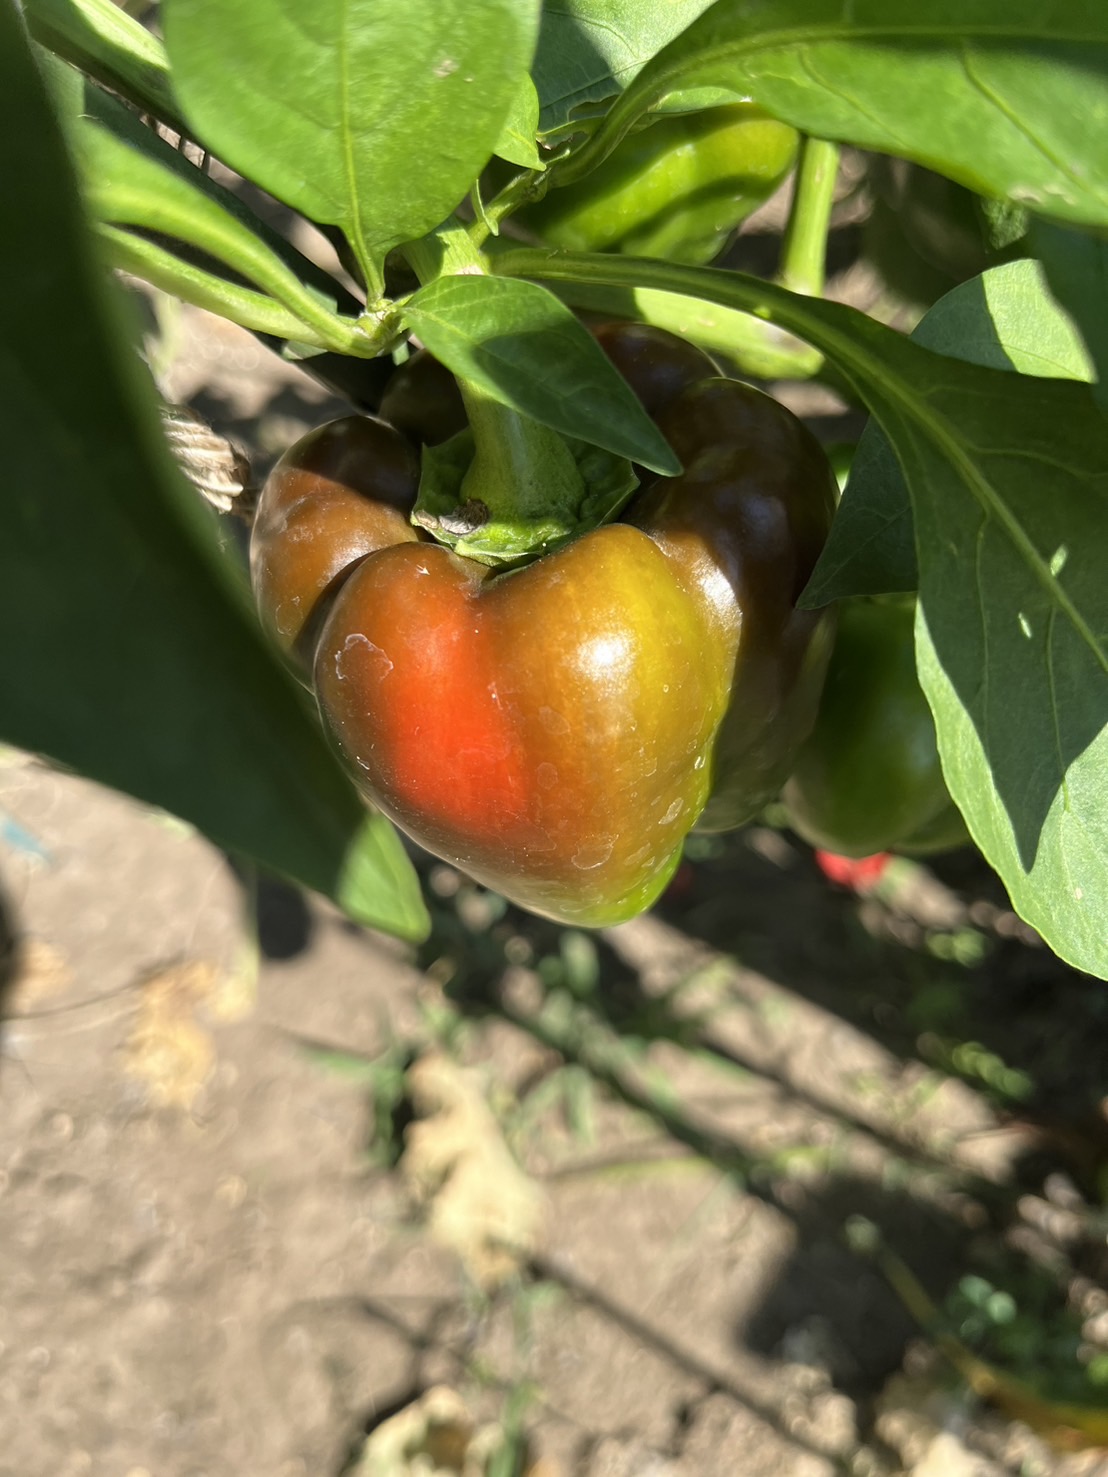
804	254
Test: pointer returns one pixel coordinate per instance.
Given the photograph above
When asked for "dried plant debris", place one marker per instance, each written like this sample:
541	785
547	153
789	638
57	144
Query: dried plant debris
170	1048
40	973
438	1437
478	1200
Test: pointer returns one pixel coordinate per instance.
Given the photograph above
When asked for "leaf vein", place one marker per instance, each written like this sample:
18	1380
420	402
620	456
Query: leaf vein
991	95
354	223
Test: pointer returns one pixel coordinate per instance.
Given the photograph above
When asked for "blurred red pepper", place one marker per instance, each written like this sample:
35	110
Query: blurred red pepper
859	873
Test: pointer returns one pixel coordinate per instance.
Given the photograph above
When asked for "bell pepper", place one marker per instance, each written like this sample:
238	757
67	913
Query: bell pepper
556	729
676	189
868	779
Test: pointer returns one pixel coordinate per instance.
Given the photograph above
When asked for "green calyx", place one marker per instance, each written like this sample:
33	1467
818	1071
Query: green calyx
462	503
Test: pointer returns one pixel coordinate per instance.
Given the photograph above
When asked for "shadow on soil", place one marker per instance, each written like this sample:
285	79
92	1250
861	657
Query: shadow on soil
980	1000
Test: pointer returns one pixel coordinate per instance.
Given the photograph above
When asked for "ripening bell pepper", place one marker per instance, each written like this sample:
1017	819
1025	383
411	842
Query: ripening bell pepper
868	779
675	189
555	730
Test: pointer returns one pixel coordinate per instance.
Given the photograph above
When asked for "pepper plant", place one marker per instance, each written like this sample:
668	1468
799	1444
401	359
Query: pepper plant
418	136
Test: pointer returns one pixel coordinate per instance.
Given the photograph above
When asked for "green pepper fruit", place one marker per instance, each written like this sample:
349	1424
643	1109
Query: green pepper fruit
556	730
676	189
868	779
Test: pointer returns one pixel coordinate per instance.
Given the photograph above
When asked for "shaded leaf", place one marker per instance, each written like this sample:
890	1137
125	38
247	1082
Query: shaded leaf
526	348
592	49
127	643
1076	266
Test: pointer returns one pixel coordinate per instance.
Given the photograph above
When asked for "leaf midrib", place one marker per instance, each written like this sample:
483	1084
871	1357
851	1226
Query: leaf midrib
342	56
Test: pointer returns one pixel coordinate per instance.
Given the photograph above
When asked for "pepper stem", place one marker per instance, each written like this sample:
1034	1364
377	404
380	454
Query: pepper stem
520	471
522	474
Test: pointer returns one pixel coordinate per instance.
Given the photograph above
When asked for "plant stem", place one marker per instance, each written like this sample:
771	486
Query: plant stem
241	305
113	47
804	254
527	185
197	221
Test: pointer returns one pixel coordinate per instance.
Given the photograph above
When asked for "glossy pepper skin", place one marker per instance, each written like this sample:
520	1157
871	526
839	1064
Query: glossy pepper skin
344	490
869	779
556	730
675	189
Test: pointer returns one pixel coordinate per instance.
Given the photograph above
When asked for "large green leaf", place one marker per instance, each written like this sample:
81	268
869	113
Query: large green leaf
1006	319
1008	96
518	342
126	640
375	116
592	49
1008	477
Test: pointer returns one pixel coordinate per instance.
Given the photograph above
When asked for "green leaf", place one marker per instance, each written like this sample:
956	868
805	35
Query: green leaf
108	44
1008	476
128	647
1011	100
375	116
517	143
1005	319
1076	267
590	50
518	342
